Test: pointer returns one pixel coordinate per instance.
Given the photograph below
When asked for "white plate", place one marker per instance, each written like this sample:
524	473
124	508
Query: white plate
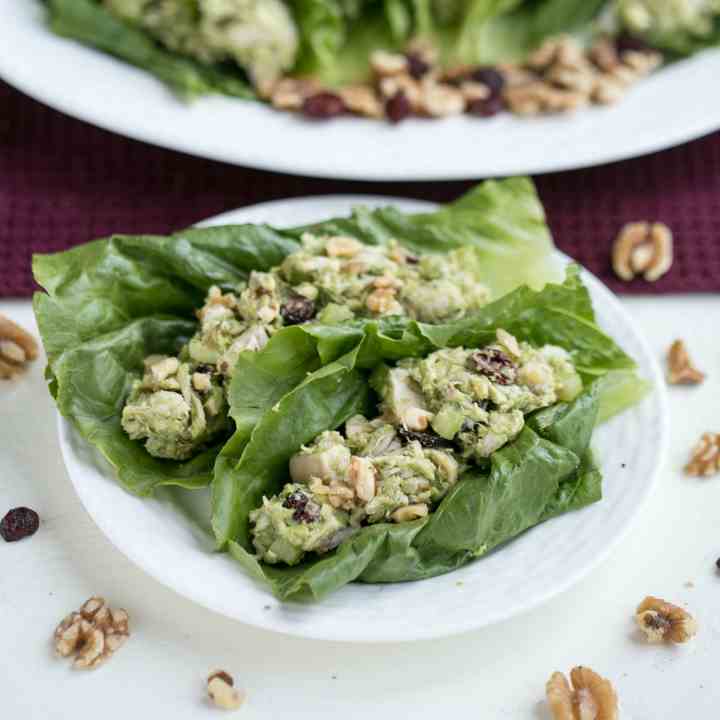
671	107
531	569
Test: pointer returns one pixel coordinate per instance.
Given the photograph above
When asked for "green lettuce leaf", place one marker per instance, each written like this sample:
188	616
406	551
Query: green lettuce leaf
88	22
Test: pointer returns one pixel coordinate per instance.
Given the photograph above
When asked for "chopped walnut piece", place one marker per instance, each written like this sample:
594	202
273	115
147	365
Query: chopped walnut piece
662	621
382	301
340	246
291	93
705	458
472	91
221	690
681	371
92	634
643	248
391	87
387	64
17	349
604	54
591	697
362	100
440	100
607	91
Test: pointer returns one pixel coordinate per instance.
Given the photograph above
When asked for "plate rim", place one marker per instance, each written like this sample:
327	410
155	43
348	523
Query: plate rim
66	430
58	98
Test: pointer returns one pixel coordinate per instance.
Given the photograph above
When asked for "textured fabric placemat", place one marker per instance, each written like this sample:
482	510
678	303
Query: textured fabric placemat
63	182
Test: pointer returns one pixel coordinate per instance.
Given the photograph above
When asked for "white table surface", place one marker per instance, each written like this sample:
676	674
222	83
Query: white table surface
498	672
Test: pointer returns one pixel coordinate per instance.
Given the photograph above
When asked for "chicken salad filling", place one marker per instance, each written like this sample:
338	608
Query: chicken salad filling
439	414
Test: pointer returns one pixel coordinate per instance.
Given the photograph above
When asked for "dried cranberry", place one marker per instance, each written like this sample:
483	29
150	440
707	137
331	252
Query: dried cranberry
296	500
297	309
490	77
306	510
494	364
309	514
397	107
486	108
19	523
631	43
417	67
323	106
426	439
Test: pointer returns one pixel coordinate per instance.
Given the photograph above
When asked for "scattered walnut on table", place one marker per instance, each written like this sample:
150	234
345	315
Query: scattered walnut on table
17	349
643	248
590	697
221	690
705	458
681	370
661	621
92	634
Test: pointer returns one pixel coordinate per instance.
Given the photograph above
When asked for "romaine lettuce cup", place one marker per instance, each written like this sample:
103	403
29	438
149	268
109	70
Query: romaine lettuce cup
111	303
547	470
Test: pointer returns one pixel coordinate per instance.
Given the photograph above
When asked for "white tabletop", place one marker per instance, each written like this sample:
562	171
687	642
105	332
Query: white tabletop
499	672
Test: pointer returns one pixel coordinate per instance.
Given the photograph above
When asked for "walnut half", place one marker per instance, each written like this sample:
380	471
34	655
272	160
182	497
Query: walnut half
643	248
17	348
92	634
681	371
662	621
705	458
221	690
591	697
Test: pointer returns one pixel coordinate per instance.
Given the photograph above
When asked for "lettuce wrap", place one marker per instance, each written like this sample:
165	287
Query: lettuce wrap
111	303
546	471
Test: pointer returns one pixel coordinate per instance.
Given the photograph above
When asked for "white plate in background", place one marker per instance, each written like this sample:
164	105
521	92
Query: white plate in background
673	106
529	570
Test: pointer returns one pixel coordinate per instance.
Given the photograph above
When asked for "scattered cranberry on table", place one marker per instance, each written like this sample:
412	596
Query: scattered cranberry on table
19	523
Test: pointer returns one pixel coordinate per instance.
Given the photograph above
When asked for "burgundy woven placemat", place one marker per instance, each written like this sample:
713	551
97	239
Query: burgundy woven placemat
63	182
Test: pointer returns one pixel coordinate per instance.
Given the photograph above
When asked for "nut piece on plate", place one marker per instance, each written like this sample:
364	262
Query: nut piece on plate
17	348
92	634
387	64
705	458
591	697
221	690
662	621
643	248
362	100
681	371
